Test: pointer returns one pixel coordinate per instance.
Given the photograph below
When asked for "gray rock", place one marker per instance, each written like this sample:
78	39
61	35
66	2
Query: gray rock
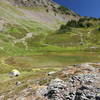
42	91
79	87
18	83
14	73
83	85
52	72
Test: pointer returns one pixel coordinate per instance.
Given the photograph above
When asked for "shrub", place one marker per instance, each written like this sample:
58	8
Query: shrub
63	29
79	24
88	19
89	24
98	29
63	10
72	23
84	19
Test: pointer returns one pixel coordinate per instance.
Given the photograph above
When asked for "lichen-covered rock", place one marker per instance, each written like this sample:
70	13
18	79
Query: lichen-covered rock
80	86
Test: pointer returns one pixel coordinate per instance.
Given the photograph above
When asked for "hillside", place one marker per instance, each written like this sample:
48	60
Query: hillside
32	23
84	33
41	36
24	23
44	12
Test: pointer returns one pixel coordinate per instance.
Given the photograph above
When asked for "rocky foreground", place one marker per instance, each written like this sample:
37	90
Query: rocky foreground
77	82
84	85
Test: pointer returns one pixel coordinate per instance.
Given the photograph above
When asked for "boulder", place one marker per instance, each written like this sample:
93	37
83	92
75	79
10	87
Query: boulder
56	89
14	72
18	83
51	73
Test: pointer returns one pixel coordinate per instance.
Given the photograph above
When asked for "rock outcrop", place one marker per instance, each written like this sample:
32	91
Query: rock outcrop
80	86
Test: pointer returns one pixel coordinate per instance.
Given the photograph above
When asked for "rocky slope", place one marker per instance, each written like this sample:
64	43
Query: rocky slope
82	85
77	82
45	11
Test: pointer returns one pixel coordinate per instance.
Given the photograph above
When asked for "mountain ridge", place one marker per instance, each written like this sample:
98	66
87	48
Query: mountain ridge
49	7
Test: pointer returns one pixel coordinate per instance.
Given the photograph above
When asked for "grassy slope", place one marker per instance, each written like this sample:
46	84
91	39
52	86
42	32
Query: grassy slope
16	26
73	37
